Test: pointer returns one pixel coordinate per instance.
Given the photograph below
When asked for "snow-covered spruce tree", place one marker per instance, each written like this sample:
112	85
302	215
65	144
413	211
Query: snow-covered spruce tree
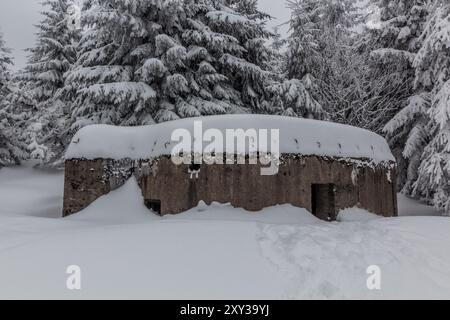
5	62
394	43
11	149
278	42
153	61
284	95
43	77
432	65
249	8
318	46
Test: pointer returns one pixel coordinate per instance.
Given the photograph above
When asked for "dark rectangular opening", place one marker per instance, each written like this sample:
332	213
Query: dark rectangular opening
323	201
194	167
154	205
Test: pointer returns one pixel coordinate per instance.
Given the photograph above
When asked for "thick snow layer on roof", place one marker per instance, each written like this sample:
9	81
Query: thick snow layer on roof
297	136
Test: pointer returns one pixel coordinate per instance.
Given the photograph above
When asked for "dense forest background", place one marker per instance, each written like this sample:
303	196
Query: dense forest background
384	67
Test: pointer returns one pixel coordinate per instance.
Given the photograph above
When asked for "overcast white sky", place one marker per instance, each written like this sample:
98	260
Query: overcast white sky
18	17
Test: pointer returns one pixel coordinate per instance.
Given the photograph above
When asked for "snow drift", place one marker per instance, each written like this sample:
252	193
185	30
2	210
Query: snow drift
297	136
124	251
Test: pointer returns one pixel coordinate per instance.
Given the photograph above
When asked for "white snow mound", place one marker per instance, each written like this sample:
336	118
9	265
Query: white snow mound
297	136
280	214
124	205
356	214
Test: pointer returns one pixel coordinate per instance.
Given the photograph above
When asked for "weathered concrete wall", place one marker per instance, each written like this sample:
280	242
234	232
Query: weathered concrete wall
244	187
87	180
240	185
83	184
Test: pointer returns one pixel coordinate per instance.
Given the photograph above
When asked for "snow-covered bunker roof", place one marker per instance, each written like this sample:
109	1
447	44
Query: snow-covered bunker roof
297	136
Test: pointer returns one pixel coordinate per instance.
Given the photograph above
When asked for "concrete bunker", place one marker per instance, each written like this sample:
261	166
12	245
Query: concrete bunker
323	167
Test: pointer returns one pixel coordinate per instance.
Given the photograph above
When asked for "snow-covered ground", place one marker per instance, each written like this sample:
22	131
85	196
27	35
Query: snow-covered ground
124	251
